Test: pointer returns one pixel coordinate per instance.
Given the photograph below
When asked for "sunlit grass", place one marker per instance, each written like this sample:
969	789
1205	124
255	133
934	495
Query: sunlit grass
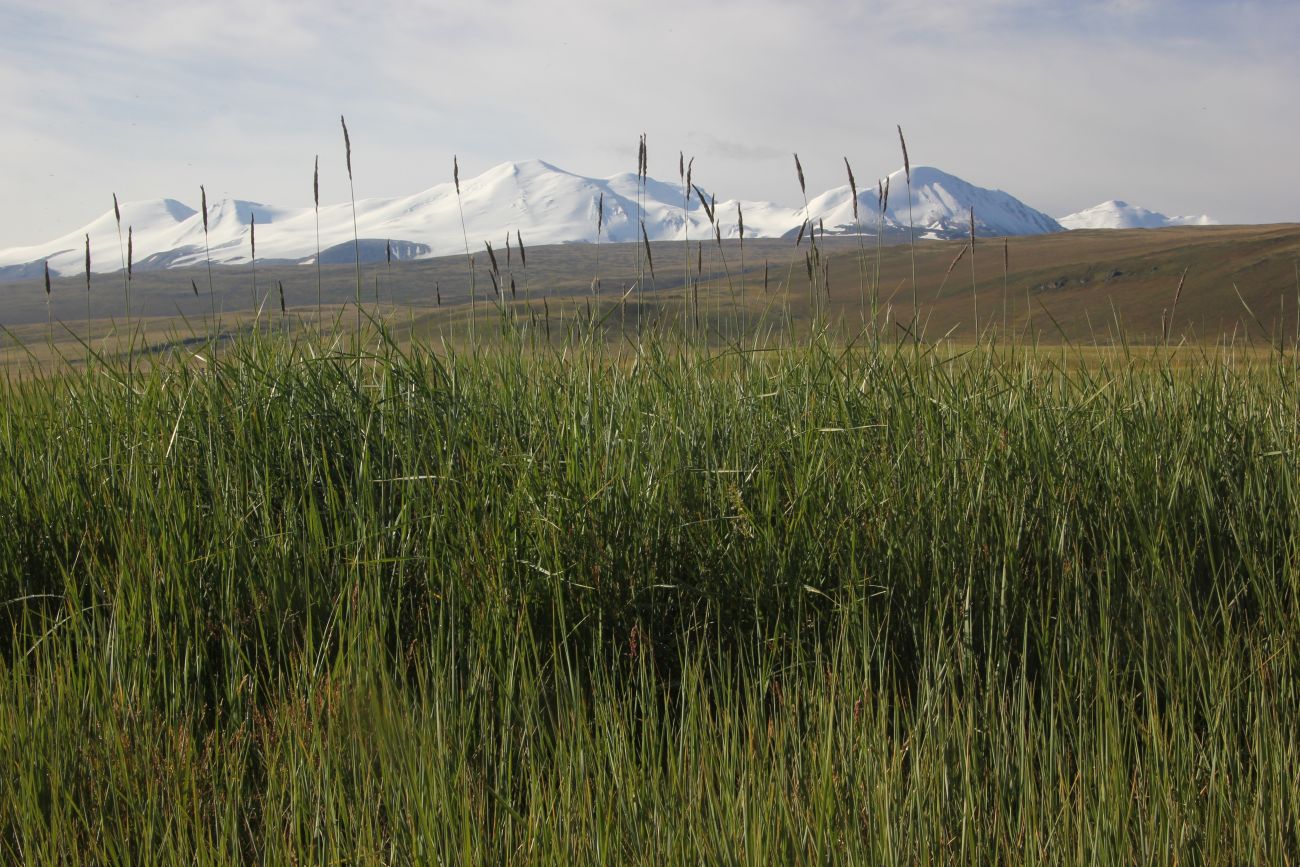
578	601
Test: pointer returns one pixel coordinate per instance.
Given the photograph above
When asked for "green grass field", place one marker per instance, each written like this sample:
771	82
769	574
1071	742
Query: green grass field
583	601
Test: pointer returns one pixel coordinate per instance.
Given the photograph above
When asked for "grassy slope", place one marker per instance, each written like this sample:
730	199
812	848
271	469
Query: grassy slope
518	608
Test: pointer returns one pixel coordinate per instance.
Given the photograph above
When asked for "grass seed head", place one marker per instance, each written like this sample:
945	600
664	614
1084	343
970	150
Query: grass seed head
195	287
961	254
907	163
646	240
347	145
203	196
853	186
130	251
315	183
117	213
47	277
798	167
708	209
87	262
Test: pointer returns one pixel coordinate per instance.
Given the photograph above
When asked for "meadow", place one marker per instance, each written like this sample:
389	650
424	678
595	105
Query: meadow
289	600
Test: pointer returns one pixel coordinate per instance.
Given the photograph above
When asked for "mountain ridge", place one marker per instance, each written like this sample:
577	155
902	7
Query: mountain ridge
532	199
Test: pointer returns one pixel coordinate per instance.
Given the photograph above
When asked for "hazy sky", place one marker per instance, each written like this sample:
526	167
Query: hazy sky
1182	107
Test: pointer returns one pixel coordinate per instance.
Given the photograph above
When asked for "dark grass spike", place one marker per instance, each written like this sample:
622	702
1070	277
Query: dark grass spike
1178	293
252	258
907	163
492	257
315	197
126	268
280	284
356	236
649	259
708	209
87	300
911	230
974	294
600	215
961	254
47	277
130	251
1006	269
853	186
798	167
207	258
460	207
347	145
195	287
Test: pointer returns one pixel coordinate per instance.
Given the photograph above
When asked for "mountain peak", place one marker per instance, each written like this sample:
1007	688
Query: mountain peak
1117	214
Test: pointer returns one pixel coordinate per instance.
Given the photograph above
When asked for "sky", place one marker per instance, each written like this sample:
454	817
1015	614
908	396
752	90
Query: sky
1181	107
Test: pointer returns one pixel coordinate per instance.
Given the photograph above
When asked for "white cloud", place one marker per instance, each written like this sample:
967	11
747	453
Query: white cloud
1061	103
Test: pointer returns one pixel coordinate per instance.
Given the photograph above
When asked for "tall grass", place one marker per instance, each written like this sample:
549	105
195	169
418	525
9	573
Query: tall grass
817	605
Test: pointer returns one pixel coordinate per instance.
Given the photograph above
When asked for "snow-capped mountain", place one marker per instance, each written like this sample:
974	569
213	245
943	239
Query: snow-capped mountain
545	204
1121	215
941	208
